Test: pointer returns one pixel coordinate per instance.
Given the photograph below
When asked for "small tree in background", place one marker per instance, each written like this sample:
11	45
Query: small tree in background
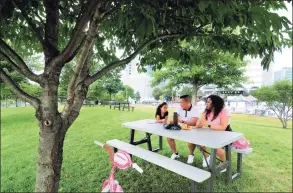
202	67
186	90
278	97
137	96
157	93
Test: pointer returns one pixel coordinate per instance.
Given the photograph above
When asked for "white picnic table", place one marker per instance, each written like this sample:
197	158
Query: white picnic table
203	137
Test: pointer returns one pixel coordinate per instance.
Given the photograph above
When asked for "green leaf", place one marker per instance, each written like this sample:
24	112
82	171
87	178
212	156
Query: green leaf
183	11
203	4
286	22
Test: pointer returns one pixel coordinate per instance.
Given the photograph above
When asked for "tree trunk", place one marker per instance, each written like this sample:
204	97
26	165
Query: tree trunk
52	134
16	102
50	155
194	96
284	123
6	101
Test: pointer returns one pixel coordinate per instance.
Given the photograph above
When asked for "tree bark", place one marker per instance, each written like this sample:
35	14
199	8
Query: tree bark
52	134
50	155
284	122
195	89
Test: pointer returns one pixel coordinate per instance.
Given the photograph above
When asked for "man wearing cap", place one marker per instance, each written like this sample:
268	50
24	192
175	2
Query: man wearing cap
187	114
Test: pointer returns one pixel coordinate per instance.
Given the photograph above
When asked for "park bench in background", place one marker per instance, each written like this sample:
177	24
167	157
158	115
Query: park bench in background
89	103
127	106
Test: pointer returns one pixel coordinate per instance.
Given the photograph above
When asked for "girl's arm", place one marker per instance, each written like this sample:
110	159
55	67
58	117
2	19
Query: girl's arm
158	118
222	126
200	121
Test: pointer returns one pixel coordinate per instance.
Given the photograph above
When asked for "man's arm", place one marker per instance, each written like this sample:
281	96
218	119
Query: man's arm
192	122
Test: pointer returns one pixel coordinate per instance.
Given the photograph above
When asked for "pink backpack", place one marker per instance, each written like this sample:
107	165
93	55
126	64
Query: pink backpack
241	143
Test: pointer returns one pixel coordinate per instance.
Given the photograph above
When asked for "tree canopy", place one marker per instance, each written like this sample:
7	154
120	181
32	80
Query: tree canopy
202	66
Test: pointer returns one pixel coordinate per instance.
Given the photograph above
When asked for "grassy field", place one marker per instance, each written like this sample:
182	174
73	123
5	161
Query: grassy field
85	166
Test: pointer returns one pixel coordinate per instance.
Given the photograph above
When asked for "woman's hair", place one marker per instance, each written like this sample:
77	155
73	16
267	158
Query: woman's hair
158	112
217	105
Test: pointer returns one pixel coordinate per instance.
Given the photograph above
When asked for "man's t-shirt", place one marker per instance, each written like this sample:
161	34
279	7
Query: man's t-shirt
187	115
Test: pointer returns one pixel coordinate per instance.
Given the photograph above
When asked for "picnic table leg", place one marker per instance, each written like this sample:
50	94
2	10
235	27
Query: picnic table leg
160	142
212	169
193	186
131	136
239	163
239	167
228	159
131	140
149	141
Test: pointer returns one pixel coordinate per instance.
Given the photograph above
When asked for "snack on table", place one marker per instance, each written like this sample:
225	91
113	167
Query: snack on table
186	127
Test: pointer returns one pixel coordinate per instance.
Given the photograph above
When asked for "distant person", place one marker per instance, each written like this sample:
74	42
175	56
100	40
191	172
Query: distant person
215	117
187	114
162	113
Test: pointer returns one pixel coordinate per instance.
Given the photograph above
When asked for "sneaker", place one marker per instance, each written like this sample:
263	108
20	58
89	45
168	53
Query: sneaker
175	156
190	159
224	170
204	163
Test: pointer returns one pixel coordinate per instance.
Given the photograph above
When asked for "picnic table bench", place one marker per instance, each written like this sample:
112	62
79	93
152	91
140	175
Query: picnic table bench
119	105
196	175
116	105
126	106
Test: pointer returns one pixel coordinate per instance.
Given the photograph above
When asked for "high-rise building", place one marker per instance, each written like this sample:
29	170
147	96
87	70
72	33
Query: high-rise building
254	72
268	77
140	82
256	75
284	73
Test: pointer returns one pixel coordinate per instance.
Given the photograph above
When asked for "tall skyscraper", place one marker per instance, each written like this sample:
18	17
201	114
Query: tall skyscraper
284	73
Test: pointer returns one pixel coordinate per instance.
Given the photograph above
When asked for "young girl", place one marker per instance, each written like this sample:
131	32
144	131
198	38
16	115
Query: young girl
162	113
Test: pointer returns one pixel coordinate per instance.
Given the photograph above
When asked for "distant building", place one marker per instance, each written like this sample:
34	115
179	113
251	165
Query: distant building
283	74
140	82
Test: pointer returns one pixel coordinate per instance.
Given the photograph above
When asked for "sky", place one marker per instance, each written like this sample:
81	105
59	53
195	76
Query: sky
284	59
139	82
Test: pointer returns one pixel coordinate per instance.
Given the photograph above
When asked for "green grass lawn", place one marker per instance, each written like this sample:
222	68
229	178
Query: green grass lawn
86	166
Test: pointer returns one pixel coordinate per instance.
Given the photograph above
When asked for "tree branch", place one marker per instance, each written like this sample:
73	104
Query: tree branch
115	64
275	111
35	102
109	13
13	56
78	35
80	92
31	24
82	63
13	65
51	30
